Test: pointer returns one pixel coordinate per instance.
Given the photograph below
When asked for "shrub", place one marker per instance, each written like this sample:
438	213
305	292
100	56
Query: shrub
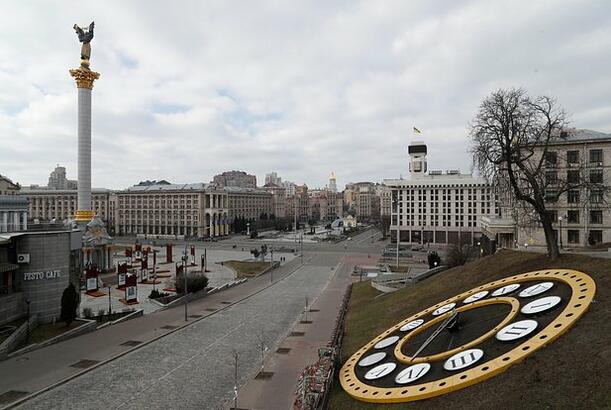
157	294
458	255
87	312
101	312
434	259
69	304
195	282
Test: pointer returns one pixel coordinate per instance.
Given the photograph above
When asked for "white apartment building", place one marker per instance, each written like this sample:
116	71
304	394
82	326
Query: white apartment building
437	207
582	215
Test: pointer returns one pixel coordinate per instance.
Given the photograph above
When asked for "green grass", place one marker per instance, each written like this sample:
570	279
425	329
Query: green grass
572	372
247	269
50	330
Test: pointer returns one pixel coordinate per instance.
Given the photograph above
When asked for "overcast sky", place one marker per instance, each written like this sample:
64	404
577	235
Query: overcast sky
190	89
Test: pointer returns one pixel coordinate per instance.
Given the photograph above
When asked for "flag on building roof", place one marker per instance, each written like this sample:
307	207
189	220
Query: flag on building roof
417	131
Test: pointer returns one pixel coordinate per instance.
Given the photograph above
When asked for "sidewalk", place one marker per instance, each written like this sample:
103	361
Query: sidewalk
277	392
41	368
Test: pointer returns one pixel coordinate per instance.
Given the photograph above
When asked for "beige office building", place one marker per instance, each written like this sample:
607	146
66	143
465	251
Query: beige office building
184	210
248	203
61	204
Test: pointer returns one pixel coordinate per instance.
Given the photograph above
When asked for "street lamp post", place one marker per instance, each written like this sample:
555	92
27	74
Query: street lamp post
560	230
109	303
301	243
184	272
27	340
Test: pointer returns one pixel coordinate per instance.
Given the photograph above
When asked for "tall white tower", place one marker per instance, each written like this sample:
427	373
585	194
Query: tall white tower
332	182
417	159
84	78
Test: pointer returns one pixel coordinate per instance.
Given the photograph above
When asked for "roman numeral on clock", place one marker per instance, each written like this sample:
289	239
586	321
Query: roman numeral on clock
516	330
463	359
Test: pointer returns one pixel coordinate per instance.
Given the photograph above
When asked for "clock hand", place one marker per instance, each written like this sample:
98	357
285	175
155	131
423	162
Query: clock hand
453	315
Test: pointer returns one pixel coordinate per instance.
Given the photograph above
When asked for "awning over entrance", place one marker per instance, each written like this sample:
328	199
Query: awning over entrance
491	226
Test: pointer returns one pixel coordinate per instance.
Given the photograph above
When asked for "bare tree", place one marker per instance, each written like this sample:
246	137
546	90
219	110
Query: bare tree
512	138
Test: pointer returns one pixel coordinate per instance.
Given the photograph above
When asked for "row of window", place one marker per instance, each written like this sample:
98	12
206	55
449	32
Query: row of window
595	156
574	177
573	216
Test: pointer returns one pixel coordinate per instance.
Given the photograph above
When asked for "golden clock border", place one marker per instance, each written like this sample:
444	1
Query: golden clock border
583	289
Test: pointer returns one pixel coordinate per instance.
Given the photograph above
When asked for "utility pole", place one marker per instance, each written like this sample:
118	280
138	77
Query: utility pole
235	384
109	303
184	272
301	242
397	246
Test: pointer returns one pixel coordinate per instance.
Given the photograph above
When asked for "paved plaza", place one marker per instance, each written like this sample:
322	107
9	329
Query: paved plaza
194	367
218	275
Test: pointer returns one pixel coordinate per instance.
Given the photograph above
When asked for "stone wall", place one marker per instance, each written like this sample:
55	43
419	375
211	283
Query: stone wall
11	307
49	252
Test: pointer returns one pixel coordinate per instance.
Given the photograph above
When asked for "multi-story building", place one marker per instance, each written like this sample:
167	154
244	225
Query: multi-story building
289	188
332	182
273	178
8	187
436	207
581	215
191	210
385	195
58	180
325	205
299	202
61	204
235	179
278	199
13	208
248	203
363	199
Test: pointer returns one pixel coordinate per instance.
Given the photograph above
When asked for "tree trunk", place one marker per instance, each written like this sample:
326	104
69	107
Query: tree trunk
550	239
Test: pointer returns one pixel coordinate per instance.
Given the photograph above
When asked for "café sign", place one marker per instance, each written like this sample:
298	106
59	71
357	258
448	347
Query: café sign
49	274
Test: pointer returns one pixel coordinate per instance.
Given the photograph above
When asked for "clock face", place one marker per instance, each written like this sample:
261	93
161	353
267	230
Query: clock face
467	338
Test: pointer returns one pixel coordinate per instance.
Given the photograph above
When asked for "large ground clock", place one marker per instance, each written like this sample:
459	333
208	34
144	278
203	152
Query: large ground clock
468	338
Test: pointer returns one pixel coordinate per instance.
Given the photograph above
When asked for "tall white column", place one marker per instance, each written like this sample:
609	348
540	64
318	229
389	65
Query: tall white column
84	149
25	221
84	82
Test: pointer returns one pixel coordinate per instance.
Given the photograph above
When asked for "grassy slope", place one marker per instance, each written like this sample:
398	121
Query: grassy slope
572	372
247	269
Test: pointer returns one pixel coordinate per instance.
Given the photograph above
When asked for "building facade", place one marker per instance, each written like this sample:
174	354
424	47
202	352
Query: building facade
436	207
235	179
58	180
50	204
278	199
581	215
8	187
248	203
273	178
186	210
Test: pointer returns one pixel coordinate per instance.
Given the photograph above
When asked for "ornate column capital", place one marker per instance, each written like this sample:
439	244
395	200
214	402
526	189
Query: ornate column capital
84	78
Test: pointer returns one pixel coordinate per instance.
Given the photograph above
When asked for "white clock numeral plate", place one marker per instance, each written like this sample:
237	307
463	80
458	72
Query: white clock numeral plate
463	359
411	325
540	305
444	309
505	289
372	359
476	296
386	342
536	289
412	373
516	330
380	371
